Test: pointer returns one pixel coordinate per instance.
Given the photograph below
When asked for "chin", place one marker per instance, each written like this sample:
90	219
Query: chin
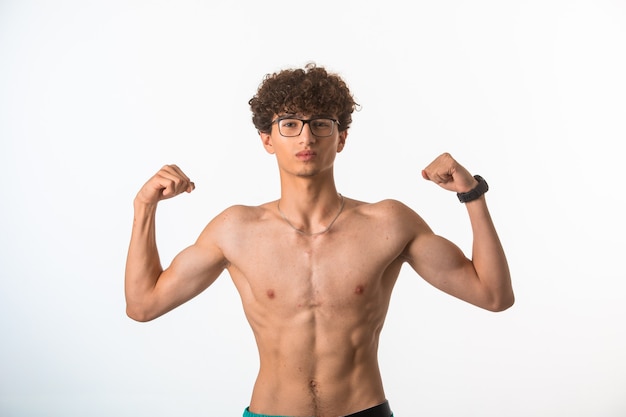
311	172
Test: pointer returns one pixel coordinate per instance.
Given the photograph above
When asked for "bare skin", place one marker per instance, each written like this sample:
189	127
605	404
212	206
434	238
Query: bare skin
316	302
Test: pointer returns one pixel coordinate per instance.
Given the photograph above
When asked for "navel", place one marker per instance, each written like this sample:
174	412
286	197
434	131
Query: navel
313	387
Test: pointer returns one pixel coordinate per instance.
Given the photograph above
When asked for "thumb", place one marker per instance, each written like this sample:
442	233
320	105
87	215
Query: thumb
425	175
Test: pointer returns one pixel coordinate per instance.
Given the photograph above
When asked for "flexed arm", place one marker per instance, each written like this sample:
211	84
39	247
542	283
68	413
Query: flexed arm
150	290
484	280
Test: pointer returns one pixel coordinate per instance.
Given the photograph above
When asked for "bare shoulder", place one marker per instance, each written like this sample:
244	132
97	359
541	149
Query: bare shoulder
389	226
390	211
390	219
241	213
229	229
237	216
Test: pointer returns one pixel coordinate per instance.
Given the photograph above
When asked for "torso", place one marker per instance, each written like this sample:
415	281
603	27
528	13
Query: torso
316	304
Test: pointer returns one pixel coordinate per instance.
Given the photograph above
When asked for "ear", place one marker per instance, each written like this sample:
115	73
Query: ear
266	139
342	140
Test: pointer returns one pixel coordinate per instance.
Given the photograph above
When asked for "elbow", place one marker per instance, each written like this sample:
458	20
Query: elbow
138	314
502	303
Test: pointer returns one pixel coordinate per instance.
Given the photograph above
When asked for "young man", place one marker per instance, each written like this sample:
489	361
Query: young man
314	269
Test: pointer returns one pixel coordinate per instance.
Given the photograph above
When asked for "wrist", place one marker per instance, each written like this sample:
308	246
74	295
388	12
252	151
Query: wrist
466	188
479	189
143	206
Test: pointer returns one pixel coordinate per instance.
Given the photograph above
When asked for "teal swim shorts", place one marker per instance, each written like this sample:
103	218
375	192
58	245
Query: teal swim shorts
381	410
247	413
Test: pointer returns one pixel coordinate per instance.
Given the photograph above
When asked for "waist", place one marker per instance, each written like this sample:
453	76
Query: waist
381	410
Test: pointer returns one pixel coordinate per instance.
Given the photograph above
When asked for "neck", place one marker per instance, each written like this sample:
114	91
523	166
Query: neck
310	207
310	232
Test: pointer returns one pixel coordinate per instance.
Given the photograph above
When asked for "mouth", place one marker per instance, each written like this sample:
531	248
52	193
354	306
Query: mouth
306	155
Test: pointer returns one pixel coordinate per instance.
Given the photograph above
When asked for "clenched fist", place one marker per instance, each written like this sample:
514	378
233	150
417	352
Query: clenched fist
449	174
167	183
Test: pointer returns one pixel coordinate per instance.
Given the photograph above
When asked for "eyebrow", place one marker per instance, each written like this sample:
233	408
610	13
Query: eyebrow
295	116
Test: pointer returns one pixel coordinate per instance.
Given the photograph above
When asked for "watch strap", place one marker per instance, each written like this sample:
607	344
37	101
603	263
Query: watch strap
475	192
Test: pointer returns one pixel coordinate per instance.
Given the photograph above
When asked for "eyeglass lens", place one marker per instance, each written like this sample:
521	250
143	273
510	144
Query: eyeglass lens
293	127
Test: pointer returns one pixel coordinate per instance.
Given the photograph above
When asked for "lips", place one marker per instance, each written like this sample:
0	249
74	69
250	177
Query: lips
306	155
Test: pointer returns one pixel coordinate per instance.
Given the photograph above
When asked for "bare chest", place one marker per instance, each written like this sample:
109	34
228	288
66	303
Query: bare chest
334	270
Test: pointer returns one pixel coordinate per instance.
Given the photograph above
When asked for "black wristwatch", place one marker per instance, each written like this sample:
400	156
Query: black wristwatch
475	192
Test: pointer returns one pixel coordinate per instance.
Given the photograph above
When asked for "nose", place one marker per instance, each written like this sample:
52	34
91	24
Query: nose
306	136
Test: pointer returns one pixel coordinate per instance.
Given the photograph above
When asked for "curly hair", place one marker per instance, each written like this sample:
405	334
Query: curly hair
310	91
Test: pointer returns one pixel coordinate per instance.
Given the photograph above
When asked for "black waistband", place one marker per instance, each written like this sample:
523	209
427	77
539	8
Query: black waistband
382	410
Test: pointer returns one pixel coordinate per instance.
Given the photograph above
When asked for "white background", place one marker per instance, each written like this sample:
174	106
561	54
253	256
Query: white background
95	96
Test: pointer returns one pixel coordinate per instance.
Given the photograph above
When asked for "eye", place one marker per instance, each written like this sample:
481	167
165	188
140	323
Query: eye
289	123
322	123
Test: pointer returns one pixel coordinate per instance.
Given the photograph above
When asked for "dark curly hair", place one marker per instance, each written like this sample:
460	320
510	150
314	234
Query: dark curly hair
310	91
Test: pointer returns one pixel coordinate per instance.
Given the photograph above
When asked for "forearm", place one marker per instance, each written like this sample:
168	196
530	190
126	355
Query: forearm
488	256
143	265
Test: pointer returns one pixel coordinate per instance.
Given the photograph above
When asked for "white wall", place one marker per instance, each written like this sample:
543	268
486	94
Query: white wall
95	96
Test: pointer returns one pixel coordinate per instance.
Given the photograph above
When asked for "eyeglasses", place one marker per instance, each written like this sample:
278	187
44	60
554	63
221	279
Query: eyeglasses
289	126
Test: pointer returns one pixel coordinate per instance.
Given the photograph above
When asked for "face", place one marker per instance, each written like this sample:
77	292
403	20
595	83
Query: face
305	154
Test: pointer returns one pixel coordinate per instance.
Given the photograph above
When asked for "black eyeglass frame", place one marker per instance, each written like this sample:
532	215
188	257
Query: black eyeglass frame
305	121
